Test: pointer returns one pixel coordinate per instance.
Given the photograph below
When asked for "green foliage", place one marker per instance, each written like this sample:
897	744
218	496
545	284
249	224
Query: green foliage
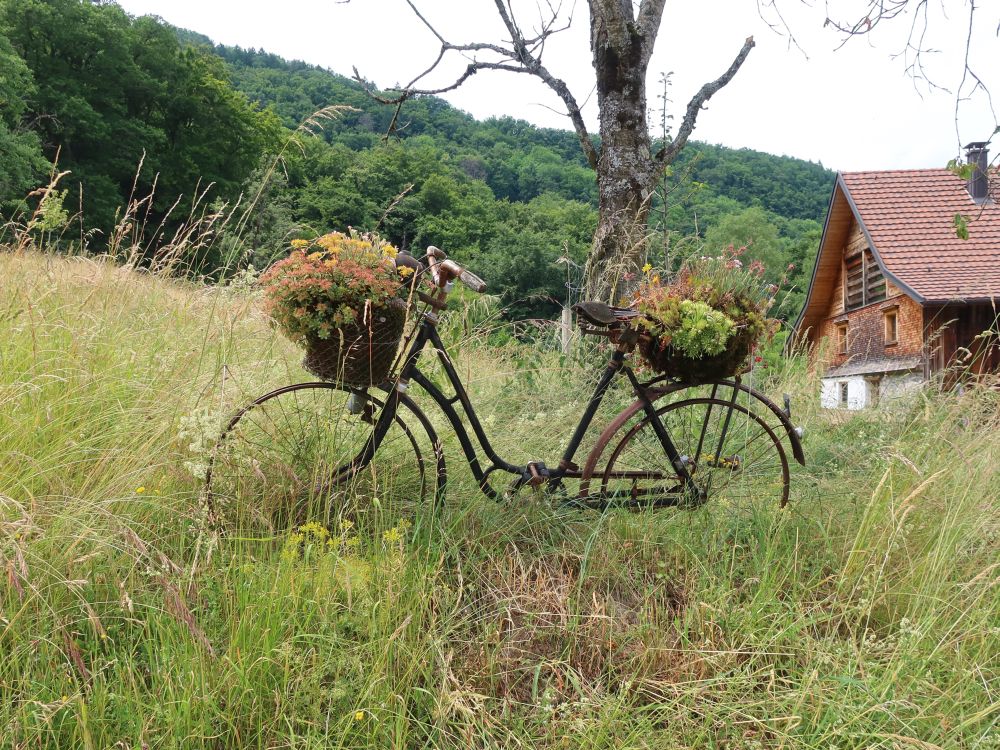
112	92
783	185
961	222
21	160
701	331
51	215
753	229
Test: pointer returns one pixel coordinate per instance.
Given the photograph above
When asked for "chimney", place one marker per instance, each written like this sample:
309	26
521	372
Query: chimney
977	156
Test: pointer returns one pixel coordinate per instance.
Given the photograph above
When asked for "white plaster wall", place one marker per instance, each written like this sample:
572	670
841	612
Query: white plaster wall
857	392
893	388
897	386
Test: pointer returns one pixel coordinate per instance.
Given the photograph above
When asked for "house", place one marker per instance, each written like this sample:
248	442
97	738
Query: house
897	295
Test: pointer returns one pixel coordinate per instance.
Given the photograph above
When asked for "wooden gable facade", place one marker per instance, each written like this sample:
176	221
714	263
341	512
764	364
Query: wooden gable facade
895	295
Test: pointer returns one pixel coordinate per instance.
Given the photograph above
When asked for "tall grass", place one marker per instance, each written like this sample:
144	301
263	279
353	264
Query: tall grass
864	615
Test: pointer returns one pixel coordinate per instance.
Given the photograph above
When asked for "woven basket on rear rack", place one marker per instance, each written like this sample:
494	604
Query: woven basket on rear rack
361	353
725	364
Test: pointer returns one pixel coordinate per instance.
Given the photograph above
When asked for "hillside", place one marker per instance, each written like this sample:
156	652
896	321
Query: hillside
864	615
154	120
715	192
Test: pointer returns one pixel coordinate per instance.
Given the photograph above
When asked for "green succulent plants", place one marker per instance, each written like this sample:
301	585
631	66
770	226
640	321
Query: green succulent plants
704	322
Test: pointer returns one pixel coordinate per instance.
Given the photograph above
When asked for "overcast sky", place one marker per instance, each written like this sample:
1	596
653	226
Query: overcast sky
850	109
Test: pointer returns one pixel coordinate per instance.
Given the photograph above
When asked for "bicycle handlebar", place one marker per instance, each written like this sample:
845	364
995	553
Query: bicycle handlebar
439	263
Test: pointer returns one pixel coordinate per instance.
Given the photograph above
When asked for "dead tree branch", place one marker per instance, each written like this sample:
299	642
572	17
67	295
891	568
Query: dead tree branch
522	55
666	154
917	48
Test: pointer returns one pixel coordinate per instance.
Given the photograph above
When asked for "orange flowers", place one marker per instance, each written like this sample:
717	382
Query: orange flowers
328	283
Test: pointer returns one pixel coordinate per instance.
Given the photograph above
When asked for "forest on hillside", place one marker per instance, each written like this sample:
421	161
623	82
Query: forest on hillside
132	108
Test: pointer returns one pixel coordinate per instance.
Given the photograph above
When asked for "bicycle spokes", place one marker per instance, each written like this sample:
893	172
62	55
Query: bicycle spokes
727	452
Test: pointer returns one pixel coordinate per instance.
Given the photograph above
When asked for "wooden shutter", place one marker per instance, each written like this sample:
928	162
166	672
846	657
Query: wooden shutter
874	280
863	280
854	275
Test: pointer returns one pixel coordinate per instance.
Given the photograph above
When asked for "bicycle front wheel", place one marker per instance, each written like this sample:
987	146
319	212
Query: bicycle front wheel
301	453
730	453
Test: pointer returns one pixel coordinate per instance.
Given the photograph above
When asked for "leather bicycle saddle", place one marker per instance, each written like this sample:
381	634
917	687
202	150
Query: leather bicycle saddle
600	314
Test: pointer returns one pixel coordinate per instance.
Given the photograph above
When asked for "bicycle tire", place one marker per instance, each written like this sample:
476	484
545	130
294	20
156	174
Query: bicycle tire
731	453
298	453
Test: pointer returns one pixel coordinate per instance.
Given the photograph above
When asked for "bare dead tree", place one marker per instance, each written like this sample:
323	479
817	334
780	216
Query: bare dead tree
622	36
918	47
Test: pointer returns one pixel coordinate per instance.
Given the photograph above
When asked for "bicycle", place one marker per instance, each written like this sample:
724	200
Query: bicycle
294	451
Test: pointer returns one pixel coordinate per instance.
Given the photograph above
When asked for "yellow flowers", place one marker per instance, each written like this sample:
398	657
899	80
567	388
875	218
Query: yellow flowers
313	538
359	715
314	530
139	490
392	536
405	271
299	244
647	268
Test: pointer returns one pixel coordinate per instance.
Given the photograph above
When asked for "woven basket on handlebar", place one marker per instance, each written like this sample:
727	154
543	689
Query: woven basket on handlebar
361	353
725	364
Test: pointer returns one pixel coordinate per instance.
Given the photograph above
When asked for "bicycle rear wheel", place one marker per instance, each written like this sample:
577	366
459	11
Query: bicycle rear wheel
730	452
299	453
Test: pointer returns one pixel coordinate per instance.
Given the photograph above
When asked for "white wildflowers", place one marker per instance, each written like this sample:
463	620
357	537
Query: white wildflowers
199	430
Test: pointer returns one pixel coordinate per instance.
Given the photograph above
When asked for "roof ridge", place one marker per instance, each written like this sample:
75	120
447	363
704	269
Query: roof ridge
928	170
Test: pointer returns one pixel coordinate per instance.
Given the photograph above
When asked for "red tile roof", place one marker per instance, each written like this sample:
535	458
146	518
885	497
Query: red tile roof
910	219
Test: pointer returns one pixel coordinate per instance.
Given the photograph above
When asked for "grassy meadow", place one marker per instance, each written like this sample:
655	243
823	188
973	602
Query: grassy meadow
864	615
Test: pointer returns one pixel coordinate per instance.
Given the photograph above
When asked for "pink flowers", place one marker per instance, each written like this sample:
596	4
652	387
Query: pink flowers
328	282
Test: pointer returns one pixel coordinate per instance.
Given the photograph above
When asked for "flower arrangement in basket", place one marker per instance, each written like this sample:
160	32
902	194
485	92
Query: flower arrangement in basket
703	324
339	296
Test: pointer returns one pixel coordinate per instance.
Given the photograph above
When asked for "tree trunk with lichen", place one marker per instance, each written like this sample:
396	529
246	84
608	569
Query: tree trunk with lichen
626	169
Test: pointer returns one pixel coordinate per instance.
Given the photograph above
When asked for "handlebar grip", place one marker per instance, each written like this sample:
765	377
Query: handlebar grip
472	281
405	260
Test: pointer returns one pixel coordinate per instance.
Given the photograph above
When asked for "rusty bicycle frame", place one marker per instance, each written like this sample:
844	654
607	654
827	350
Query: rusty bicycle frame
671	481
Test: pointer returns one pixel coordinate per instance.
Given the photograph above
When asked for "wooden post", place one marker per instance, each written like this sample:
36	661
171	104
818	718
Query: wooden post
567	329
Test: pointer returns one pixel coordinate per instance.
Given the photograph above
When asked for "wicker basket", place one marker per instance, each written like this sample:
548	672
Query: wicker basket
725	364
361	353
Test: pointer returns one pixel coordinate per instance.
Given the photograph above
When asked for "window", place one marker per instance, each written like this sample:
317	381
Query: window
842	338
891	327
863	280
843	392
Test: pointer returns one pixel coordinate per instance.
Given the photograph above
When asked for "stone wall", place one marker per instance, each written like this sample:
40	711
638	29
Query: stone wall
866	392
